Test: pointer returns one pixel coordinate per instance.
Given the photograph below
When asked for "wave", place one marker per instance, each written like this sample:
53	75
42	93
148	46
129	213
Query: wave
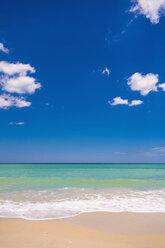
66	202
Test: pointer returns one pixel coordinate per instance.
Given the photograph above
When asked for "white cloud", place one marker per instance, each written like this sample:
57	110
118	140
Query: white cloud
3	49
106	71
119	101
135	103
20	102
159	149
17	123
17	68
162	86
20	84
151	9
7	101
15	78
143	83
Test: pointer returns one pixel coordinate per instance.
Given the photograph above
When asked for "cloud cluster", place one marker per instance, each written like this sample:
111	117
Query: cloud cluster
3	49
145	83
151	9
119	101
14	79
142	83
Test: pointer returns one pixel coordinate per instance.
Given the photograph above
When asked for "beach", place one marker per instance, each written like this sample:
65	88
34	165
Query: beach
87	230
82	205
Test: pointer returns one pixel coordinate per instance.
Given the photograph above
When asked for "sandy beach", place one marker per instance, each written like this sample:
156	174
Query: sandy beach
115	230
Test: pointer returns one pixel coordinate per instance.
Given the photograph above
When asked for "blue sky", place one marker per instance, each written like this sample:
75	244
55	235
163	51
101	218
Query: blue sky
82	81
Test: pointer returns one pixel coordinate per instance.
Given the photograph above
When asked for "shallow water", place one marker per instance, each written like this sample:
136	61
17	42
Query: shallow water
45	191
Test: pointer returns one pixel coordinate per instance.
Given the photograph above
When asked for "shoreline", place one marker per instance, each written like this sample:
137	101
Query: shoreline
91	230
114	222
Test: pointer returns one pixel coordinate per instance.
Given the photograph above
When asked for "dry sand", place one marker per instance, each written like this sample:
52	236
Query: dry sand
17	233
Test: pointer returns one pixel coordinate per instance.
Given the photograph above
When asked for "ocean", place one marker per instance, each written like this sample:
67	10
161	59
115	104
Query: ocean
53	191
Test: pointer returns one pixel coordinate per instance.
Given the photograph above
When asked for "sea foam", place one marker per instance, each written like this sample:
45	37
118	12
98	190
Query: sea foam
66	202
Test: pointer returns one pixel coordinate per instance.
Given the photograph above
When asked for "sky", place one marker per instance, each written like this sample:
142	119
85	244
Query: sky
82	81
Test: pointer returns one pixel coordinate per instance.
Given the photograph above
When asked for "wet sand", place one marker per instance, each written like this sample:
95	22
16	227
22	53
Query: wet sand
122	223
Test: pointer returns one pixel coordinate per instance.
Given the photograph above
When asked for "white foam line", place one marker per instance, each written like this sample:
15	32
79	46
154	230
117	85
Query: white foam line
68	206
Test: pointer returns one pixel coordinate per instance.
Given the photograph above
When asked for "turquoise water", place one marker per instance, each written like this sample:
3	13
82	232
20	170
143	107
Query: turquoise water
39	191
47	176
